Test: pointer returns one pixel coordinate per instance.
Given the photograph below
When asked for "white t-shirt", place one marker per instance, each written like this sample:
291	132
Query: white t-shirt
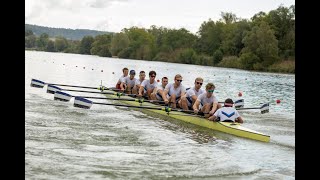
227	113
146	84
128	81
177	91
121	79
204	99
138	82
191	92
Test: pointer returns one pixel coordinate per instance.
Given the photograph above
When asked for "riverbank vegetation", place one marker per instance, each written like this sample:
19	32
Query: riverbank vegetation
266	42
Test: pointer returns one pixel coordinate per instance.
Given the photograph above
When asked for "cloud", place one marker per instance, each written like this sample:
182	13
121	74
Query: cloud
104	3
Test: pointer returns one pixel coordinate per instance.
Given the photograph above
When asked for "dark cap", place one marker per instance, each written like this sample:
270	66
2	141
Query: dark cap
132	72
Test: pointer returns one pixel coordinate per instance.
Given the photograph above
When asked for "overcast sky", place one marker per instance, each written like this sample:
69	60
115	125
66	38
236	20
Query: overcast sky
114	15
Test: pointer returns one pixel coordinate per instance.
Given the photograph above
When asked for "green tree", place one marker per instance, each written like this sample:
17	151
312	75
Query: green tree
42	41
85	45
50	46
119	42
101	45
60	44
262	42
30	41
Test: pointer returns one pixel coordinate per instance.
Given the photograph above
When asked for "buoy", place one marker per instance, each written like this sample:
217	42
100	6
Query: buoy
278	101
158	80
63	64
92	69
76	66
239	94
112	72
101	70
84	67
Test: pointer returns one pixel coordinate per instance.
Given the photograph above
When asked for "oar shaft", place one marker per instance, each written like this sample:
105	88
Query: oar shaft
73	86
122	99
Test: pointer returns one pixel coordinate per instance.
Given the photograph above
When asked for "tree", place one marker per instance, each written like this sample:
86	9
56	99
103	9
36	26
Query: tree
60	44
50	46
101	45
85	45
42	41
262	42
119	42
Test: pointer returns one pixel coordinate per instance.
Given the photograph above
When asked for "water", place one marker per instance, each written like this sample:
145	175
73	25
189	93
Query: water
64	142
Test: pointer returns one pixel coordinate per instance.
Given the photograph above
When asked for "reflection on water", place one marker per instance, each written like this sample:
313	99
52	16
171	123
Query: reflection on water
64	142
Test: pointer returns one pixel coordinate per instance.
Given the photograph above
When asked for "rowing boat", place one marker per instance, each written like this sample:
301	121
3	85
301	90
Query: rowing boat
227	127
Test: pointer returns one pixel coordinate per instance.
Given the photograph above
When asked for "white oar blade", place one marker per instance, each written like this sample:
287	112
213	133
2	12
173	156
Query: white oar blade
239	103
61	96
36	83
265	108
52	89
82	103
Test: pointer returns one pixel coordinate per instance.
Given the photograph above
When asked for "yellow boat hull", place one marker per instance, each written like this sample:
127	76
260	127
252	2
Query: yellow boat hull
226	127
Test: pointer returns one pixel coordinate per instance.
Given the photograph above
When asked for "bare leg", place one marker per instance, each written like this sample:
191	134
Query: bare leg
173	101
183	103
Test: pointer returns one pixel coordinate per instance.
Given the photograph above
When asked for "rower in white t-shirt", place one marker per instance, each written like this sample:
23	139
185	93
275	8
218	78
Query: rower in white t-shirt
207	102
125	74
157	92
128	82
135	89
148	85
173	91
191	95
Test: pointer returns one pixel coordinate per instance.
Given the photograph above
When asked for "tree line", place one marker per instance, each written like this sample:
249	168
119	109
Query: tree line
266	42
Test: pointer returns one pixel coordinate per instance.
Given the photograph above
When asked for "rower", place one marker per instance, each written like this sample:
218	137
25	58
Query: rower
158	91
207	101
147	86
127	83
125	74
227	113
174	91
191	95
135	89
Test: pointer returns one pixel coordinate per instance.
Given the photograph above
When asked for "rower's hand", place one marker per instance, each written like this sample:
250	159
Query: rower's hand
211	112
139	95
196	111
166	101
211	118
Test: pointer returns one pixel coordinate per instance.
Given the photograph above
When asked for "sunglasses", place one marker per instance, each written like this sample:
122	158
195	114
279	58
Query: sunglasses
153	76
199	83
179	80
211	90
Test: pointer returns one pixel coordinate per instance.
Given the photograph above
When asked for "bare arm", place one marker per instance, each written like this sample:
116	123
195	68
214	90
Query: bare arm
196	106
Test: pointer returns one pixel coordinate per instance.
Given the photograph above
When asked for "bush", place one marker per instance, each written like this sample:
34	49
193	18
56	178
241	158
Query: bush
284	67
230	62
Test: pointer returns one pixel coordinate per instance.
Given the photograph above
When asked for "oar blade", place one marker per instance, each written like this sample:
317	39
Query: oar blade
62	96
264	108
36	83
52	89
239	103
82	103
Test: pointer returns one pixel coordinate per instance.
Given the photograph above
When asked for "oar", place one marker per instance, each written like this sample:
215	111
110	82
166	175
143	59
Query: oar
86	104
41	84
141	100
264	108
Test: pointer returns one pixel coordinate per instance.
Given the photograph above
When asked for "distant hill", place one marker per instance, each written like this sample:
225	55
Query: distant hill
73	34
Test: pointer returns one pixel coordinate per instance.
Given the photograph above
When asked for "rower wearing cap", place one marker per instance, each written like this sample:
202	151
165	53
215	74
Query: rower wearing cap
147	86
227	113
157	92
191	95
135	89
125	74
207	101
127	83
174	91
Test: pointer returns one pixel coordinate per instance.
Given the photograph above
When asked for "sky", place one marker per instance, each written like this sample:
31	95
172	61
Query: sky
114	15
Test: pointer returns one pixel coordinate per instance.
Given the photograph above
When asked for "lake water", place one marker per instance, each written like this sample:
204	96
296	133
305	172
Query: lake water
105	142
